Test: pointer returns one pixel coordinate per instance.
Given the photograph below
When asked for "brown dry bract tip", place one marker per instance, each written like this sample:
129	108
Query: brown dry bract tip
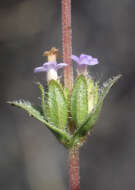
53	51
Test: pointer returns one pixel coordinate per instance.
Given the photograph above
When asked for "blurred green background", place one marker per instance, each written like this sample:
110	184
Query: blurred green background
30	157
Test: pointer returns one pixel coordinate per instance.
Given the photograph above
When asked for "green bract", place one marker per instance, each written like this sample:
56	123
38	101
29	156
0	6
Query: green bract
80	109
57	111
79	101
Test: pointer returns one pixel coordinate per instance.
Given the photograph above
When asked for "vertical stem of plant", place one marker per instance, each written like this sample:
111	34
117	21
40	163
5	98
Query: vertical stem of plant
74	169
67	42
68	80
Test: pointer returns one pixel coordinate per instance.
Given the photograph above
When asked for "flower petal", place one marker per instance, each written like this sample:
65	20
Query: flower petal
49	65
84	56
39	69
76	59
60	65
85	61
94	61
89	57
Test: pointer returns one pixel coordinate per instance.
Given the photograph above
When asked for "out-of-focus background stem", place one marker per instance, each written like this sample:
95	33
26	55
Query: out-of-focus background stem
30	157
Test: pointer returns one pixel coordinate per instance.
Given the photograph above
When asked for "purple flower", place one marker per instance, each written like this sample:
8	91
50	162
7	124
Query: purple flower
83	61
51	69
48	66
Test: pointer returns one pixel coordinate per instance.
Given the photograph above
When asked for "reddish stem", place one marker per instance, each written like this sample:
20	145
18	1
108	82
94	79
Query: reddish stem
68	80
67	44
74	169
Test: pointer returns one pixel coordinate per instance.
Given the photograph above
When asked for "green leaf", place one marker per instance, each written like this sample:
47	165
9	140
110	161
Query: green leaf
90	121
79	100
57	111
61	135
42	98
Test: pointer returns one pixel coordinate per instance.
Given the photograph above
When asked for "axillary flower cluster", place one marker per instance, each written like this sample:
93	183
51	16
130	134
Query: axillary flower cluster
69	115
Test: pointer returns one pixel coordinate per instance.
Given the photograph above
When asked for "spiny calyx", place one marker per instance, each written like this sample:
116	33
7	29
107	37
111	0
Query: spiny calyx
82	108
